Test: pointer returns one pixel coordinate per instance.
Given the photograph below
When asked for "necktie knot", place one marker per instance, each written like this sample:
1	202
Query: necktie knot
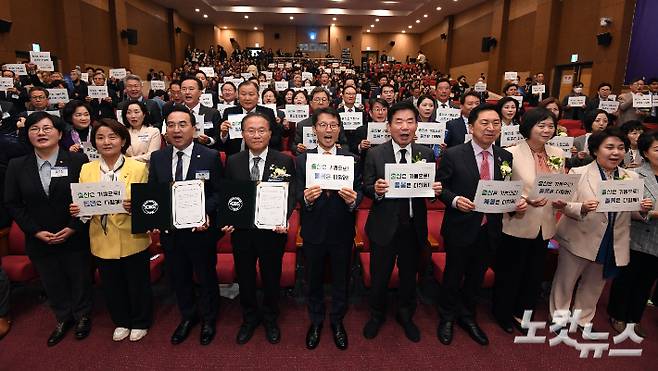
403	156
180	154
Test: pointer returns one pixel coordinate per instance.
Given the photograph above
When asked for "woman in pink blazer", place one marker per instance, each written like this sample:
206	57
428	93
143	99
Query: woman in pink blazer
592	244
522	252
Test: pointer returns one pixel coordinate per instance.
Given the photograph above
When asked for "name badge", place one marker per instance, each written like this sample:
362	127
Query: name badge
202	175
59	171
144	138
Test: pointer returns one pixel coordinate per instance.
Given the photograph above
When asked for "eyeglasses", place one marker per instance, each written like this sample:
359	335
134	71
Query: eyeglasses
332	125
38	97
180	125
45	129
254	132
320	100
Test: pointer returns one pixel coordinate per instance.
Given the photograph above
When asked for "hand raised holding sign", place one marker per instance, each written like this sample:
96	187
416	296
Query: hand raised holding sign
588	206
312	193
464	204
381	187
647	205
437	187
349	195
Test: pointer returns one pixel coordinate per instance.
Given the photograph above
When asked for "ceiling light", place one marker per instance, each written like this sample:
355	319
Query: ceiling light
376	19
333	25
368	30
333	19
255	28
424	15
205	16
417	20
438	8
409	26
246	17
291	17
403	31
197	10
372	25
225	27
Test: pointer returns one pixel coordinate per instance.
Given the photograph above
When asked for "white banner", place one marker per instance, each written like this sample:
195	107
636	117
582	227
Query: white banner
84	76
118	73
446	114
511	75
157	85
268	75
6	83
497	196
99	198
329	172
209	71
610	106
410	180
90	151
431	133
17	68
565	143
555	186
280	85
37	57
247	75
480	87
307	76
45	66
206	99
378	133
510	135
578	101
297	112
309	139
97	92
351	120
641	100
221	107
538	89
235	131
620	195
58	95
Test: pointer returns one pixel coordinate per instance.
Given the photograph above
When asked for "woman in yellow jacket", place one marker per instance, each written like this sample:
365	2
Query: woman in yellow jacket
122	257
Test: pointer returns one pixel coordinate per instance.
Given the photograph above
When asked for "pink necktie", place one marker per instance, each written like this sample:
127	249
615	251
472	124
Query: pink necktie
484	175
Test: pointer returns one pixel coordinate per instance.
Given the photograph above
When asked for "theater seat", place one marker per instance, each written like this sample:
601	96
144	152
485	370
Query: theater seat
289	262
571	124
16	264
576	132
434	221
225	266
439	263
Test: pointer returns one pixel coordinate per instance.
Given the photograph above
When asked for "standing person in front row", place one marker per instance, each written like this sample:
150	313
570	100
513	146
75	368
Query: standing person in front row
122	257
327	228
593	245
190	252
37	195
521	255
397	228
470	236
252	246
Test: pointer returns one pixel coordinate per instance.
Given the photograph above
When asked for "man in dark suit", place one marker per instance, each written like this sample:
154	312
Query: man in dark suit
327	227
396	228
443	94
133	89
192	88
469	236
16	95
348	105
258	163
248	95
190	252
103	108
201	76
457	129
319	98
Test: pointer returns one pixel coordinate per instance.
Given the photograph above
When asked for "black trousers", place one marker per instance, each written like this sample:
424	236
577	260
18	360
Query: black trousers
632	287
463	276
519	268
315	256
127	287
404	248
4	292
264	248
188	257
66	277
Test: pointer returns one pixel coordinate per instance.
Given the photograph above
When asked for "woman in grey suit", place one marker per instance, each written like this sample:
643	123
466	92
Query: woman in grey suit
631	289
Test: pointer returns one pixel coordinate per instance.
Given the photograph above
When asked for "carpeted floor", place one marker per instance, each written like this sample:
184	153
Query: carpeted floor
25	347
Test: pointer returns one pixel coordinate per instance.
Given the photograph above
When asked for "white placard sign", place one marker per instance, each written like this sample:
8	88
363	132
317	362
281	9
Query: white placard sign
519	98
565	143
6	83
40	57
288	65
268	75
119	115
510	135
307	76
271	65
555	186
497	196
578	101
90	151
297	112
309	139
279	65
329	172
235	131
280	85
17	68
538	89
235	81
480	87
410	180
431	133
97	92
247	75
358	100
118	73
610	106
620	195
446	114
52	113
58	95
511	75
271	106
378	133
262	86
334	65
198	126
654	100
206	99
351	120
221	107
641	100
45	66
99	198
209	71
157	85
84	76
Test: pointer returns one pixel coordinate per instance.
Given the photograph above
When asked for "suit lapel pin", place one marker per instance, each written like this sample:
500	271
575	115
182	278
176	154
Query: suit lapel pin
198	156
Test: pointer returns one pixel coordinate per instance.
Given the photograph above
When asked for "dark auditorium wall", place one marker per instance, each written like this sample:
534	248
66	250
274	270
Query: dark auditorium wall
97	24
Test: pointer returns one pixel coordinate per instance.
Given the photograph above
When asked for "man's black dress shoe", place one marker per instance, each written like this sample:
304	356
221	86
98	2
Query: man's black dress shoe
182	331
371	329
59	332
411	331
207	333
444	332
272	332
83	328
246	332
313	336
505	325
340	335
474	331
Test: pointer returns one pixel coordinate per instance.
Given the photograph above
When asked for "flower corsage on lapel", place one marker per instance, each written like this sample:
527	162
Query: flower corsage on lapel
555	163
623	177
561	133
418	158
278	174
505	170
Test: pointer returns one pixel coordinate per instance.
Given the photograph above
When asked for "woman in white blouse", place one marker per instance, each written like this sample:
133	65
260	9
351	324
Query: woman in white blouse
144	138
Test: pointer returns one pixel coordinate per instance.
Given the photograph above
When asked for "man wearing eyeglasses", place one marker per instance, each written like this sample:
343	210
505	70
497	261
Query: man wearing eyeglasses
319	99
327	227
190	252
259	162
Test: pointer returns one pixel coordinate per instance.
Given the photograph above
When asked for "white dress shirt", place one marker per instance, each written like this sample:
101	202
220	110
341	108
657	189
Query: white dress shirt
187	157
477	150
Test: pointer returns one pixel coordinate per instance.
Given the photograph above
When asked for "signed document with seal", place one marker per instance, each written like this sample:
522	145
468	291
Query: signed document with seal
188	204
271	205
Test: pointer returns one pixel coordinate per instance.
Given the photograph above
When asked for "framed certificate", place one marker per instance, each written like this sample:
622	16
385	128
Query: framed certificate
271	205
188	204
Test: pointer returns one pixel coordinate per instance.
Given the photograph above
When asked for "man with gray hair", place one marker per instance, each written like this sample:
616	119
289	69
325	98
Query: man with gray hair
133	90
